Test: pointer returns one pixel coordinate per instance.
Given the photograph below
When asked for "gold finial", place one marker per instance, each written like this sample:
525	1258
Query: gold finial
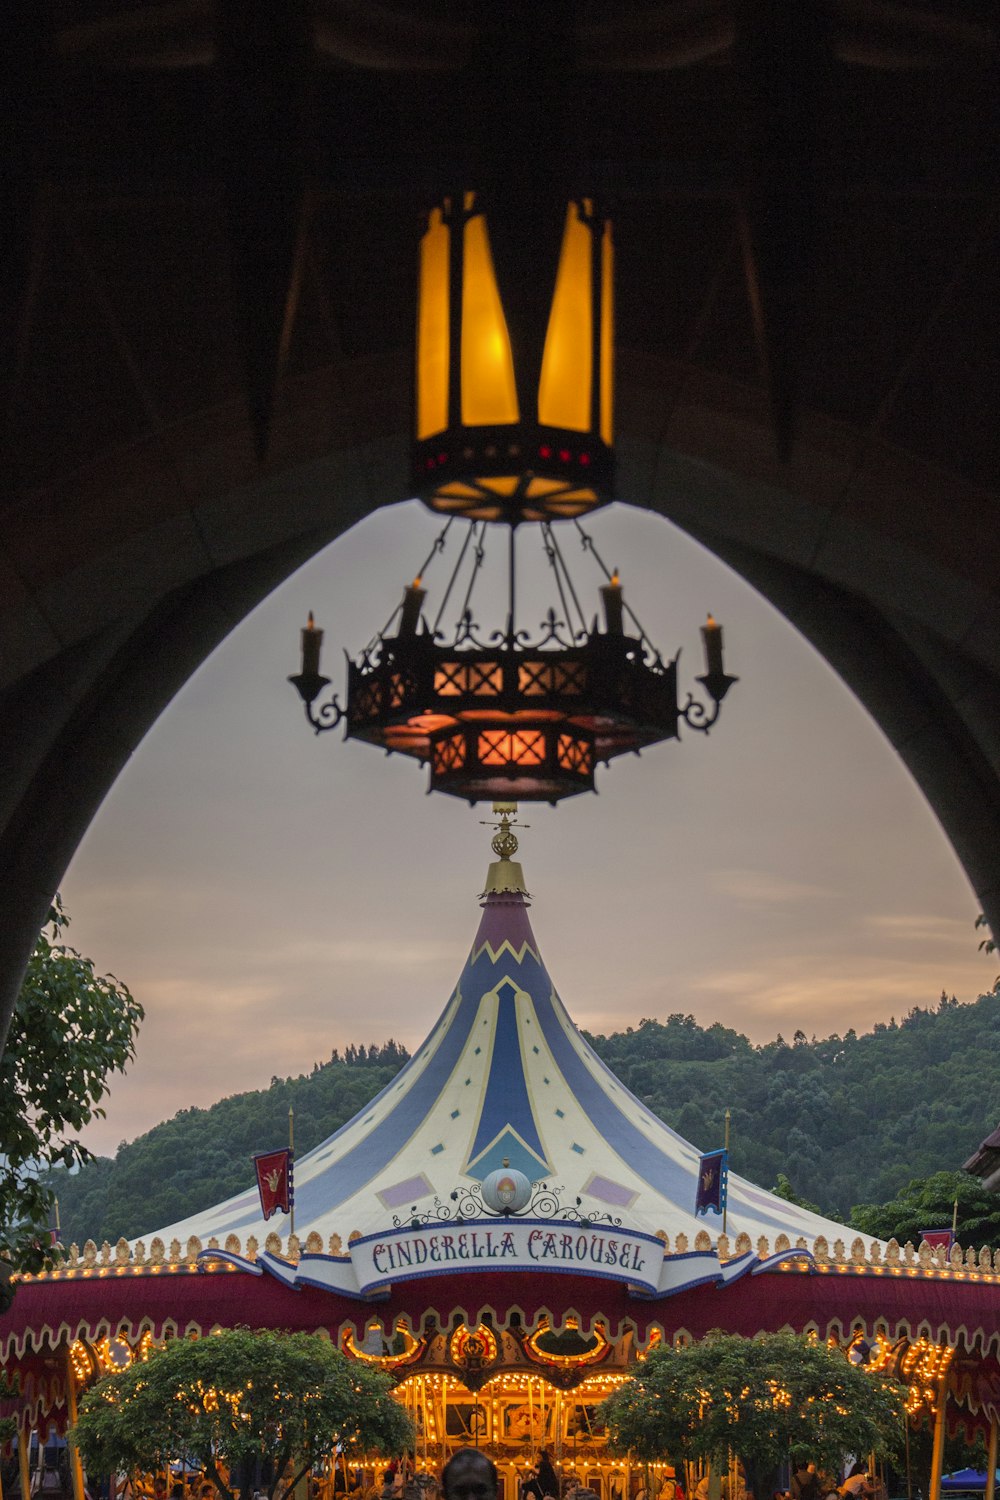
504	875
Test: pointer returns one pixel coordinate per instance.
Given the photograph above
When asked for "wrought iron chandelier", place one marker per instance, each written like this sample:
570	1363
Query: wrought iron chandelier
512	425
511	714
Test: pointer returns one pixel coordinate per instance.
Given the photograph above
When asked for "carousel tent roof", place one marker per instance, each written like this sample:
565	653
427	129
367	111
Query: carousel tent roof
505	1077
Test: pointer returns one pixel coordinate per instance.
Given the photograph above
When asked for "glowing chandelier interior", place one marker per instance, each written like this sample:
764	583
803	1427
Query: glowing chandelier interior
512	431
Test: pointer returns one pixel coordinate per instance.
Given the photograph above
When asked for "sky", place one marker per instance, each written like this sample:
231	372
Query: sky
269	894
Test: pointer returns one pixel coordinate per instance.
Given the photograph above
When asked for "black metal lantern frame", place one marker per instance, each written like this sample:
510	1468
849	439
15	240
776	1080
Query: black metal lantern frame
513	715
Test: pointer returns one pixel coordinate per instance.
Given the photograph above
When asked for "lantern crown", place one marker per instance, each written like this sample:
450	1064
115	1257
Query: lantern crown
513	414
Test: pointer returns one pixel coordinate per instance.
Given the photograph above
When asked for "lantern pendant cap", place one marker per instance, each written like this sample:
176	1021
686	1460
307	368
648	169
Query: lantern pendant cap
513	415
504	876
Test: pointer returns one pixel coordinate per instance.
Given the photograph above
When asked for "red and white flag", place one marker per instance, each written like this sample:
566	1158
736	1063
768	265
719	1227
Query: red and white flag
274	1181
936	1237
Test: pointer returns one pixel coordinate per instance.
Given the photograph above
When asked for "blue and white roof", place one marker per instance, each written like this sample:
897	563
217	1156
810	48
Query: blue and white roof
504	1077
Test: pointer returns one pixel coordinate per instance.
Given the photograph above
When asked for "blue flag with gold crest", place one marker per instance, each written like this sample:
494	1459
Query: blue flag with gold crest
713	1181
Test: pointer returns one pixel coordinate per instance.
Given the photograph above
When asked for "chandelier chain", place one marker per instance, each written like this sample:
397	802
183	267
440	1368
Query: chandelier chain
561	571
454	574
588	544
479	557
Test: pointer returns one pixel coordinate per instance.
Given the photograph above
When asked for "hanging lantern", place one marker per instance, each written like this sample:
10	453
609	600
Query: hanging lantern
513	418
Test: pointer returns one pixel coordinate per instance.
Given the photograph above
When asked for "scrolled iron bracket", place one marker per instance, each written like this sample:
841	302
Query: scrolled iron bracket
330	714
696	714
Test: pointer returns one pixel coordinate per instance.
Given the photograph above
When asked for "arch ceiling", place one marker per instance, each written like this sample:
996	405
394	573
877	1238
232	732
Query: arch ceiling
207	302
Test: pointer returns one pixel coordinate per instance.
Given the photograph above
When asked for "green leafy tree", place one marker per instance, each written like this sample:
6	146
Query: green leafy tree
929	1203
762	1399
236	1399
783	1189
70	1030
987	944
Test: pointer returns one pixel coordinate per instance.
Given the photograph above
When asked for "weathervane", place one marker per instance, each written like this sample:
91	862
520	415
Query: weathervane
504	841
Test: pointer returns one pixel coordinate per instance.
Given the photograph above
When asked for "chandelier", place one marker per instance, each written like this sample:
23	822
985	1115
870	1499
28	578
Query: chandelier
512	433
513	713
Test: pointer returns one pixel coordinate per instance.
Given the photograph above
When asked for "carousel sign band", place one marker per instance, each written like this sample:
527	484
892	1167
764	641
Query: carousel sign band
402	1253
518	1245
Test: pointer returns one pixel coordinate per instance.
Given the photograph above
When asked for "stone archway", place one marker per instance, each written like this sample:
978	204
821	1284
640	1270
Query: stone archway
127	614
211	213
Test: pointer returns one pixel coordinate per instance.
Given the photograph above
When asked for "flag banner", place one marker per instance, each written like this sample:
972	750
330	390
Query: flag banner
936	1237
713	1179
274	1181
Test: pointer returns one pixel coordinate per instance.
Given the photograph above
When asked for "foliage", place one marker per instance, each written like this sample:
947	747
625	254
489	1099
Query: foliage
783	1189
237	1397
70	1030
8	1425
928	1203
762	1398
987	944
877	1109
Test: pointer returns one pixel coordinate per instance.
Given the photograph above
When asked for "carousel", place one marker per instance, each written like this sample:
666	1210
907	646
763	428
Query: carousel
507	1230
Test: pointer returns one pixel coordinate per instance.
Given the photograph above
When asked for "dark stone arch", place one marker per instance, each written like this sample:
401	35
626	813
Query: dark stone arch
149	606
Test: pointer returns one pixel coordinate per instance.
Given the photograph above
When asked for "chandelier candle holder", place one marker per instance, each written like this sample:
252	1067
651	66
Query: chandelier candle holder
512	714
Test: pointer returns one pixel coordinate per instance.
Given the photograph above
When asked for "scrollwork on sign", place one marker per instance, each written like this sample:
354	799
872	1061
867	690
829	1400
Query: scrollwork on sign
466	1203
546	1203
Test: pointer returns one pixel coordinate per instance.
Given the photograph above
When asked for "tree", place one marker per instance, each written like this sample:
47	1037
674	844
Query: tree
235	1398
929	1203
70	1030
761	1399
987	944
783	1189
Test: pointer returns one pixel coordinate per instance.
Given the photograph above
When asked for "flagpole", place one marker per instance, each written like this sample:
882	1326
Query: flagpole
291	1159
725	1201
954	1224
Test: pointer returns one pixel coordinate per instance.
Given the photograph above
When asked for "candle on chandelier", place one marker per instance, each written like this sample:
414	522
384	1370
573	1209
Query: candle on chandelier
711	634
413	598
614	604
312	640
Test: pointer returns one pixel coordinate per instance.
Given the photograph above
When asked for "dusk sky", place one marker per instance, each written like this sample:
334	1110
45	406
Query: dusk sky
269	895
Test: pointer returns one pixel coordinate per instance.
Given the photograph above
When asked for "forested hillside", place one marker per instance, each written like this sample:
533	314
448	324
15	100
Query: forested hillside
202	1156
846	1119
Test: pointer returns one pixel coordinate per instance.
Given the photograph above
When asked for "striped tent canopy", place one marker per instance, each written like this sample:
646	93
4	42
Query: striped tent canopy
505	1081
